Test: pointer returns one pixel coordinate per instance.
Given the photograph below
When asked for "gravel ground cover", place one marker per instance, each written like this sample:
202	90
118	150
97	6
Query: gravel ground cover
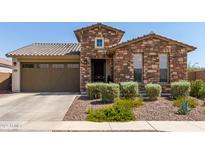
160	110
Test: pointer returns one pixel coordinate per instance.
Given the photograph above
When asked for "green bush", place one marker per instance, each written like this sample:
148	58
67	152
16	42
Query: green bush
129	89
129	103
180	88
204	112
202	92
153	91
110	113
192	103
109	91
196	89
121	110
94	90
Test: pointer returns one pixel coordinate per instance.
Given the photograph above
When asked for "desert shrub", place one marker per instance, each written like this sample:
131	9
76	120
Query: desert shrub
121	110
204	112
110	113
197	89
129	103
94	90
202	92
203	101
129	89
180	88
109	91
184	108
153	90
192	103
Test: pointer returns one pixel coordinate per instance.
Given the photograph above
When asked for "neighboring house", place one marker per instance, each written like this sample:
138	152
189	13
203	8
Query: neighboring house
99	57
5	75
5	66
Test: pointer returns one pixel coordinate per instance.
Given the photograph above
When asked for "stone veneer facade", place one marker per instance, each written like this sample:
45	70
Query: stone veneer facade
120	63
89	52
150	49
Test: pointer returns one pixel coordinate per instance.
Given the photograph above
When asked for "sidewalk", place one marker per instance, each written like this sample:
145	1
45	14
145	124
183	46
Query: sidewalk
136	126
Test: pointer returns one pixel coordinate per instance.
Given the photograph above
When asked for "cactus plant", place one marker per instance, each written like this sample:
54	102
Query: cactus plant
184	108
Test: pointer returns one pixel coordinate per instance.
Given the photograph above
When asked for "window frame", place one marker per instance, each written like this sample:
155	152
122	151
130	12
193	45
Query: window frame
167	68
99	38
39	66
54	66
26	65
73	65
142	67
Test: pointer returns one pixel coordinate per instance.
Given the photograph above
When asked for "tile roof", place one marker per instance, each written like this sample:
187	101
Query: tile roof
152	34
47	49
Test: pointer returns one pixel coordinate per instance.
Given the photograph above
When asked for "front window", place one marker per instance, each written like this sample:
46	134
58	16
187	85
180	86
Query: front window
163	59
138	63
99	43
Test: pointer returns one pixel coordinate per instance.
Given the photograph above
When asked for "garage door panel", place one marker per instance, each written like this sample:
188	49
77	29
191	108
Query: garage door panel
74	76
52	79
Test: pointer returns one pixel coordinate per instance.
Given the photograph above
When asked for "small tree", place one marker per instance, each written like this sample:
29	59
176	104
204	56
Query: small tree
193	68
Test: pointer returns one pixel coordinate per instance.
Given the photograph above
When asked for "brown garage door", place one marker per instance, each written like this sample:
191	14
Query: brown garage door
50	77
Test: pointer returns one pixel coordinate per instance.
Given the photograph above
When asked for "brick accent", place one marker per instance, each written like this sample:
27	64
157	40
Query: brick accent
150	48
88	51
120	62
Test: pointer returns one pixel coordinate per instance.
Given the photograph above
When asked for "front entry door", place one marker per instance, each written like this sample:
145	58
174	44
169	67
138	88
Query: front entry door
98	70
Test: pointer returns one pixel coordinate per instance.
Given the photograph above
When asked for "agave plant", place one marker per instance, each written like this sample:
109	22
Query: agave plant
184	108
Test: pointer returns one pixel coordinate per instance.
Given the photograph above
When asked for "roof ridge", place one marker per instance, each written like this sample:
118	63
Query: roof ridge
96	24
42	43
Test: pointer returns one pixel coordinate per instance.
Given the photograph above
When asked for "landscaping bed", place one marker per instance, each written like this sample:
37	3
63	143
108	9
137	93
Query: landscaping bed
121	102
77	111
158	110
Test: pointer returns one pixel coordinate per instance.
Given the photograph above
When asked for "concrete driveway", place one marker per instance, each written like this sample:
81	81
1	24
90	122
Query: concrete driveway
34	106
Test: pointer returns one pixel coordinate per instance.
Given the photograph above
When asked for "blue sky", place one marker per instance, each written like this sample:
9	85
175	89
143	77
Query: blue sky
16	35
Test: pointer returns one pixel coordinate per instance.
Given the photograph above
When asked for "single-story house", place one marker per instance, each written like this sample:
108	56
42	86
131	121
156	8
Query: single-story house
5	75
99	56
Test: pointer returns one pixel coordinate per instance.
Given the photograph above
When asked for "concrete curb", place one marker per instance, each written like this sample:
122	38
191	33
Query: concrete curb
84	126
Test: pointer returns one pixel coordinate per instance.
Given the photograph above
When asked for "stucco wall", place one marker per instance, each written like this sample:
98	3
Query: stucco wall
16	76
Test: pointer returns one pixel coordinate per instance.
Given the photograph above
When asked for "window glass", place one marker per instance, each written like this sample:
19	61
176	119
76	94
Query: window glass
138	63
28	65
73	65
163	67
163	61
163	75
57	65
43	66
99	42
138	75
